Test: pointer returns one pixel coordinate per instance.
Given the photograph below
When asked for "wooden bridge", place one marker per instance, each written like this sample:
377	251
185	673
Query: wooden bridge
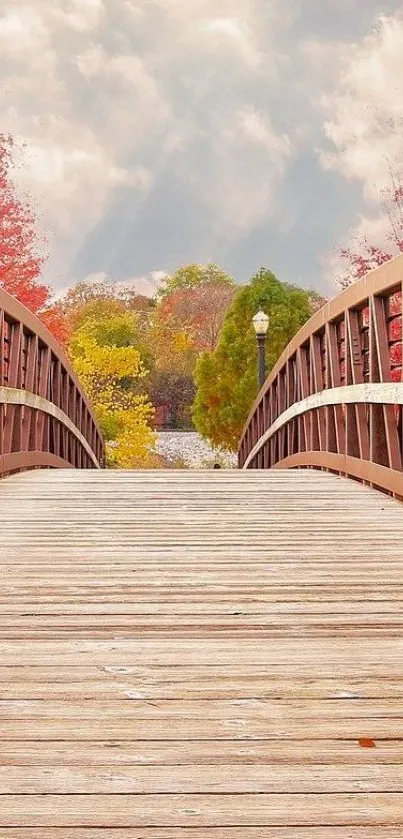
208	655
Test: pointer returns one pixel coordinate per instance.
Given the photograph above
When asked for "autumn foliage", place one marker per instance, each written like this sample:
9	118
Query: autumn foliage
195	335
110	369
365	255
22	251
198	311
189	312
226	378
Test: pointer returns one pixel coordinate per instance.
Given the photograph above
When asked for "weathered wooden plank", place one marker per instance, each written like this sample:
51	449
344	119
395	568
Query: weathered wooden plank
319	629
213	594
219	556
255	606
77	683
205	651
202	624
389	573
211	623
206	779
174	729
269	711
199	810
206	833
198	752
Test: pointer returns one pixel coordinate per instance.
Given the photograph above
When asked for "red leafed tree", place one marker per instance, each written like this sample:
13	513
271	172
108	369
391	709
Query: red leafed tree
199	311
22	252
364	256
316	300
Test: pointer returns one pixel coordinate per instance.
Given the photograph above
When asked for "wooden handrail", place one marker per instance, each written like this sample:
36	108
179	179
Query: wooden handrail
352	346
45	418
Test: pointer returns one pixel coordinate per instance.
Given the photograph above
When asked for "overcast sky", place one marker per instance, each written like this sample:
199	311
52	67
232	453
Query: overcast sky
243	132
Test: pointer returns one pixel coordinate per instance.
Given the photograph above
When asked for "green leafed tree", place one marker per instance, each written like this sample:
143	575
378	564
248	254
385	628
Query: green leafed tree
226	378
192	276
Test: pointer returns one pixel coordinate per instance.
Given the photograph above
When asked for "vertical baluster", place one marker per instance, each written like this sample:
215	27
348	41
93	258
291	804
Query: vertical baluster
274	415
318	424
357	428
43	390
352	445
281	396
336	438
305	425
73	416
30	415
384	432
13	419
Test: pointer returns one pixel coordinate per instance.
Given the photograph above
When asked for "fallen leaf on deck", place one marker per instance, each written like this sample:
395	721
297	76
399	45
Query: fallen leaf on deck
367	743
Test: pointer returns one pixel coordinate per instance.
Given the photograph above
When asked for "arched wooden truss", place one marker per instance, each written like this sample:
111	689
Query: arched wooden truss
334	400
45	418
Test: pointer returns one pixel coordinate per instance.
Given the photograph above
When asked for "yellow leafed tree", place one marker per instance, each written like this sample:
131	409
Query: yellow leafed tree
108	374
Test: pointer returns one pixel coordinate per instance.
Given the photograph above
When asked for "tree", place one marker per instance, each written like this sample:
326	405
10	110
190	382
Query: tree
135	302
115	315
198	310
92	300
191	276
52	317
110	373
135	440
316	300
226	378
364	255
22	250
174	391
88	299
188	316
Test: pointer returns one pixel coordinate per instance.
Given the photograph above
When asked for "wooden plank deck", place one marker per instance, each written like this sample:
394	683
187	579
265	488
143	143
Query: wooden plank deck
213	655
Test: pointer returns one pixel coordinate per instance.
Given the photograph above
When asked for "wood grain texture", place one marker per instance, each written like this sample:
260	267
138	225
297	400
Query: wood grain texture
237	810
200	656
193	779
205	833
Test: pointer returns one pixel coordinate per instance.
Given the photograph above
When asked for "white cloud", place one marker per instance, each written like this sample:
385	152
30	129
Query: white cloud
83	15
80	140
91	88
233	34
365	129
365	112
254	128
22	29
91	62
247	161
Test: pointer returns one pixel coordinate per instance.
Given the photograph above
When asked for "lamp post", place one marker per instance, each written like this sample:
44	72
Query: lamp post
261	325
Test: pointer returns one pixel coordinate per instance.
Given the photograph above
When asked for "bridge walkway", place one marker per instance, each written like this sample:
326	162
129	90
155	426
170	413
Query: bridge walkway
200	655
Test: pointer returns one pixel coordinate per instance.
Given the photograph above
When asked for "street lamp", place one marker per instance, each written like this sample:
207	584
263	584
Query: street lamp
261	325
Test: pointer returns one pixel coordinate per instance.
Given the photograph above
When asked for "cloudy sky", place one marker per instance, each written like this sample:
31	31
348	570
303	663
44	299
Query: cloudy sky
161	132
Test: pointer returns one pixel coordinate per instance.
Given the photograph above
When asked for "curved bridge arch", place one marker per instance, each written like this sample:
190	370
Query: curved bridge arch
334	400
45	418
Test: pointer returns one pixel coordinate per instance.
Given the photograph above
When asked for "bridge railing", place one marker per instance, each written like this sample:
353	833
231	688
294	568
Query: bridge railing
45	418
334	399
